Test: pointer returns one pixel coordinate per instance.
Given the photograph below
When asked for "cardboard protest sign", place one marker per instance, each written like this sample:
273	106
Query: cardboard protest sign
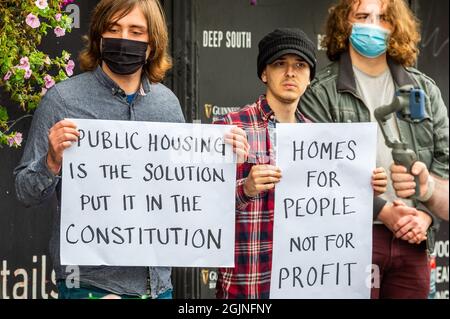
322	244
148	194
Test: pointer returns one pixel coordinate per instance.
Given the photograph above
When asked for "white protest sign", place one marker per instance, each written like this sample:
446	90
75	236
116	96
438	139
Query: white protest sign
322	245
148	194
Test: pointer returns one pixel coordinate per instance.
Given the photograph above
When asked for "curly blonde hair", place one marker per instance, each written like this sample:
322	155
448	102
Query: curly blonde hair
403	41
102	19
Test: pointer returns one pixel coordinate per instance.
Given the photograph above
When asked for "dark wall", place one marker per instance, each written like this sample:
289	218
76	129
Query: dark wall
433	58
227	77
433	61
24	235
25	268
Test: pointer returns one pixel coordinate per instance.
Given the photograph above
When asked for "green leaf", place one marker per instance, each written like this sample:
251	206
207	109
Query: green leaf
3	114
18	40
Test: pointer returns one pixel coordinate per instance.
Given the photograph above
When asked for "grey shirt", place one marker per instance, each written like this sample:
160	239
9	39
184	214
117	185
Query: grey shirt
377	91
91	95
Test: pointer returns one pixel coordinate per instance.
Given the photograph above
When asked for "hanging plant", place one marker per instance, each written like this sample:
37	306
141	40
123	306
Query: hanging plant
26	73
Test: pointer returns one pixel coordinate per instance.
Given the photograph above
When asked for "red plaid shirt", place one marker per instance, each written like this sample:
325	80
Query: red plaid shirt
250	278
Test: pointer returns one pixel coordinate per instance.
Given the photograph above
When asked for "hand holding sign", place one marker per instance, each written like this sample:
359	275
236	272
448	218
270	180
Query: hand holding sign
60	137
237	138
379	181
261	178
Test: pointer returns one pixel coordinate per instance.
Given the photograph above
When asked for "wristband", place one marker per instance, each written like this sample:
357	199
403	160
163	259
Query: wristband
430	190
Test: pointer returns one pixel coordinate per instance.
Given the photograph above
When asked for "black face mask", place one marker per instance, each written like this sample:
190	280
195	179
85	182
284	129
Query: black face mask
123	56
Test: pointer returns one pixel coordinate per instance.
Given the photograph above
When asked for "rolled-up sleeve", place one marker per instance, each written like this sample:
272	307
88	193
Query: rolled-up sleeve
242	200
34	182
439	166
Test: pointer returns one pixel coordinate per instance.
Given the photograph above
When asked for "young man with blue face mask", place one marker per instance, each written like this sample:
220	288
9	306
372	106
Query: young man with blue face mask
373	45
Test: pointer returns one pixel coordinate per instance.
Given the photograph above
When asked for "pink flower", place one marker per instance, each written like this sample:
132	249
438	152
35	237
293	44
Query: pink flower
28	73
7	76
69	67
49	82
24	63
41	4
18	139
32	21
10	141
58	17
15	140
65	3
59	31
43	91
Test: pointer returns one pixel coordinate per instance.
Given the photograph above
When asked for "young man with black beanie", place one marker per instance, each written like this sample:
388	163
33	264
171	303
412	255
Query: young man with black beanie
286	64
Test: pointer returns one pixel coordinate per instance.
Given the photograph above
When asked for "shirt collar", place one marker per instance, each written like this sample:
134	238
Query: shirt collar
346	77
106	81
264	108
267	113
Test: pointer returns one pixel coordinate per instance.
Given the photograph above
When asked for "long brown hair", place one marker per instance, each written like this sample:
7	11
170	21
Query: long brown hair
102	18
403	41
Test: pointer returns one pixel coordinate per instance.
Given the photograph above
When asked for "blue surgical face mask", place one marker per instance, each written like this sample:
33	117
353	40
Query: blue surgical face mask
369	40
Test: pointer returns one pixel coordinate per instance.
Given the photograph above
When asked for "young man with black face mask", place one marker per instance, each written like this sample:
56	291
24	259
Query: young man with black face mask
126	59
373	45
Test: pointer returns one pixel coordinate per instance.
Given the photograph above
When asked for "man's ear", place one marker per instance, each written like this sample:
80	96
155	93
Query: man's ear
264	76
